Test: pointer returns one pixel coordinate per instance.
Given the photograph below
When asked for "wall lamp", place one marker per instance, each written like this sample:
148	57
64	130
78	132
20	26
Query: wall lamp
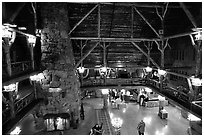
196	81
198	35
37	77
11	87
117	122
161	72
31	40
8	32
148	69
81	69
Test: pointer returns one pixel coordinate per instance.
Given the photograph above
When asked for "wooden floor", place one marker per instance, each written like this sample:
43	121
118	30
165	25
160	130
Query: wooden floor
132	113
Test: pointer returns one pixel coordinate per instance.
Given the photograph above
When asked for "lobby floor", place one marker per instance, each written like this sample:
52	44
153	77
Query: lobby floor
130	113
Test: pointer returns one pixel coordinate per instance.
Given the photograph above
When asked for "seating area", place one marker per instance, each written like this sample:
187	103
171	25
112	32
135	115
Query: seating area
155	103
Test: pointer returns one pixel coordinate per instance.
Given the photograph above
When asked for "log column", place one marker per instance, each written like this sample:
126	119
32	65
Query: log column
7	47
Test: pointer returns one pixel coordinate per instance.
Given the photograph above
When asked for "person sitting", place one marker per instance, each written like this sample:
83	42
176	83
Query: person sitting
96	130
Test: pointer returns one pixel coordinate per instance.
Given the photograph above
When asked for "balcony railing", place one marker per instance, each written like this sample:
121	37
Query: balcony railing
18	106
22	103
6	115
19	67
176	89
110	81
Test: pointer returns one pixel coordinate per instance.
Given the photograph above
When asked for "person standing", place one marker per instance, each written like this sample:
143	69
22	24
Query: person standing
141	127
82	111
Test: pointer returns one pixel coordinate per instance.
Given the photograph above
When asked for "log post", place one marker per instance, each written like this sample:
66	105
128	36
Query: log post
32	56
8	57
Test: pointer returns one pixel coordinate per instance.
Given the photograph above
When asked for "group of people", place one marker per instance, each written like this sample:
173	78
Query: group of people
97	130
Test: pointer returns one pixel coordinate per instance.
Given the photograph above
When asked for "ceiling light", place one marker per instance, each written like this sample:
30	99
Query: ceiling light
161	72
22	28
105	91
81	69
32	40
196	81
10	87
16	131
148	69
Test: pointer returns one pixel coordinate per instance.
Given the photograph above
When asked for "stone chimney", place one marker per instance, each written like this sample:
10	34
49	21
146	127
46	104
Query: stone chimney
61	83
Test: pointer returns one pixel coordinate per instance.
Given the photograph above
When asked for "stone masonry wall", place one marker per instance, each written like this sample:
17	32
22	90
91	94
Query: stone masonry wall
58	60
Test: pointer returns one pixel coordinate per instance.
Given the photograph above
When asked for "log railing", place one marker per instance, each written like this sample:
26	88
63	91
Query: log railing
16	68
19	67
22	103
18	106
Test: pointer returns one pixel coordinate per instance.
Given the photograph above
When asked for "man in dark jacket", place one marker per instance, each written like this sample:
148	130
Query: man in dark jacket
141	127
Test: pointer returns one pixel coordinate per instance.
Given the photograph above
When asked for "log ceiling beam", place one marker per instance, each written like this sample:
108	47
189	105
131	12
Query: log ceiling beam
79	62
16	12
146	54
188	13
136	4
83	19
114	39
179	35
132	21
99	20
147	22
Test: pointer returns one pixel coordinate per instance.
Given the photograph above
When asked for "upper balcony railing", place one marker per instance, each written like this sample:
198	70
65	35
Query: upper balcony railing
17	68
175	87
18	106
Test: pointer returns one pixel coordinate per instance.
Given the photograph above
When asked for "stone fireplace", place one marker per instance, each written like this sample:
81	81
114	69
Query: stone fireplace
61	84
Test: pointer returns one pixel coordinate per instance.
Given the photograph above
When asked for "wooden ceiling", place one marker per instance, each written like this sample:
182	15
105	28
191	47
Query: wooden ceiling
108	22
116	25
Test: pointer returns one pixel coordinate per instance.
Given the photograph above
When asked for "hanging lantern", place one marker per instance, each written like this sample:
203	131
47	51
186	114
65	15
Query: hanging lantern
117	122
41	76
161	98
31	40
16	131
148	69
105	91
196	81
11	87
161	72
37	77
103	69
6	32
81	70
198	34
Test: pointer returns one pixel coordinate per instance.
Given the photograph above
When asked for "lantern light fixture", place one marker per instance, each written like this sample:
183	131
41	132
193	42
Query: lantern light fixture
161	98
148	69
161	72
103	69
22	28
38	32
105	91
16	131
117	122
31	40
81	70
196	81
10	87
198	35
37	77
7	31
